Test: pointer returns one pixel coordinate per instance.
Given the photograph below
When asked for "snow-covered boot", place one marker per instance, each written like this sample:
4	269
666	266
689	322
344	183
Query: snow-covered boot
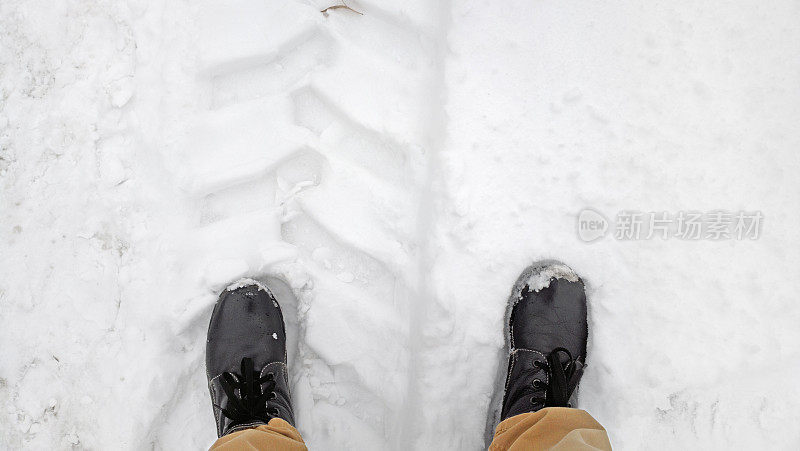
246	359
547	333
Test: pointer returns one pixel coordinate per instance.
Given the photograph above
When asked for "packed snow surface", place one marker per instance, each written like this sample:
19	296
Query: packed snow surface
389	176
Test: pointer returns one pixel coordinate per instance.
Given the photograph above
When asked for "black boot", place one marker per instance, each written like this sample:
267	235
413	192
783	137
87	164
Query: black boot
246	360
547	332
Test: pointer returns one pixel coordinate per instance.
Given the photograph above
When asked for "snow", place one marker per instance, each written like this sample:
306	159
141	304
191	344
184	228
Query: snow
245	282
540	277
389	176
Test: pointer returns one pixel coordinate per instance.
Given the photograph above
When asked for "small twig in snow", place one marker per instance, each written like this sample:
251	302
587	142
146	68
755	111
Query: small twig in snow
342	6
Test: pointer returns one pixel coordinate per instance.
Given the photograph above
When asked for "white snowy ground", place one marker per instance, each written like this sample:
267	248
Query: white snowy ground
397	170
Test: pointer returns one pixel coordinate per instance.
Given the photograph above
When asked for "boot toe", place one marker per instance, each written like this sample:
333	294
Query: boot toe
552	316
246	322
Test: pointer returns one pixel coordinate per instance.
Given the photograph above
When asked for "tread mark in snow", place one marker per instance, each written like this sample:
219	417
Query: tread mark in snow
344	136
270	75
299	172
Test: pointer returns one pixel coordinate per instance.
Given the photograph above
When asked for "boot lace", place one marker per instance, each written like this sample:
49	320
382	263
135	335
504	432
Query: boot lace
563	378
251	402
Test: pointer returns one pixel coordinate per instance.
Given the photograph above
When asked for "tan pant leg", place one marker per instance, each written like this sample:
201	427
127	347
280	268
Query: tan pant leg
277	435
558	428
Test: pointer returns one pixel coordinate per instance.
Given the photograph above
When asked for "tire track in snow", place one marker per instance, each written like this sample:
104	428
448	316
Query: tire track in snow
420	314
240	161
355	279
316	159
387	211
261	75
